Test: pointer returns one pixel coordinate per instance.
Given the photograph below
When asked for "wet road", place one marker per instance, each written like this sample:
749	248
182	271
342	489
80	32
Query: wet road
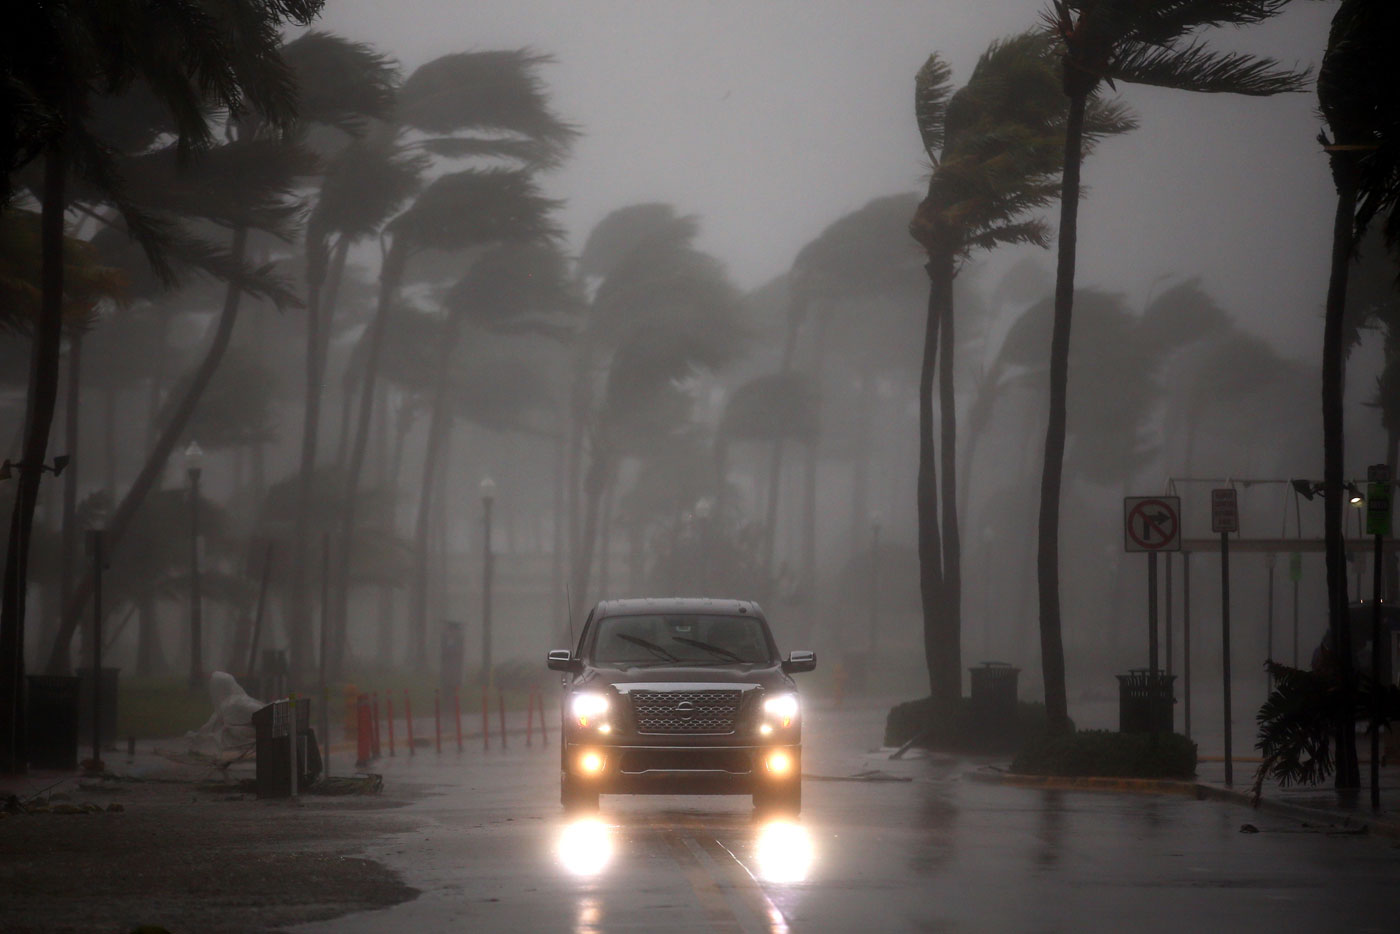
881	846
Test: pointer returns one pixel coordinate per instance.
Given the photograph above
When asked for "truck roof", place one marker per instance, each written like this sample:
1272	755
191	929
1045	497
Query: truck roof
640	606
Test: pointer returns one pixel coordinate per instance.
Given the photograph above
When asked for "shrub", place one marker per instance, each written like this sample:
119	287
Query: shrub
960	727
1105	753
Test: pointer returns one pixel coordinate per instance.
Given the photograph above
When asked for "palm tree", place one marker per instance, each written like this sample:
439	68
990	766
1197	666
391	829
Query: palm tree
993	148
1135	42
664	312
186	58
511	289
1360	102
472	105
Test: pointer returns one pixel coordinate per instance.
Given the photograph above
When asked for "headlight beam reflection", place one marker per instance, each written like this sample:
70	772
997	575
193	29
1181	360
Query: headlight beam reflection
782	852
585	847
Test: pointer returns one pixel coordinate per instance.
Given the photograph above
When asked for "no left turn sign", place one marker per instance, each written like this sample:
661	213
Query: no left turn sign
1151	523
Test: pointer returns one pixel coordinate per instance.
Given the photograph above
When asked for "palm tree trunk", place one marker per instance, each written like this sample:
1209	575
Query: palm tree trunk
1392	561
951	610
594	483
154	467
68	555
930	538
318	319
1052	650
41	401
150	658
439	424
395	260
1344	174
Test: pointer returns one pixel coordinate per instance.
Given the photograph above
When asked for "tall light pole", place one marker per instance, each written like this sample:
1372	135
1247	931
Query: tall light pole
194	465
488	498
874	579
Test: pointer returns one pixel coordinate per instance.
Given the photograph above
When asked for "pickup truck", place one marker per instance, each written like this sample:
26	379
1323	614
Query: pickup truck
680	696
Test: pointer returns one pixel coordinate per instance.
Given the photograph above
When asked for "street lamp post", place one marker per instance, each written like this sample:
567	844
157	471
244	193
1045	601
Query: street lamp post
874	580
194	465
488	497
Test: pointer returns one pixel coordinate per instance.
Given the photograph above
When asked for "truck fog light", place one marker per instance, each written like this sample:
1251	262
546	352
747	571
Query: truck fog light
766	729
590	763
779	763
605	728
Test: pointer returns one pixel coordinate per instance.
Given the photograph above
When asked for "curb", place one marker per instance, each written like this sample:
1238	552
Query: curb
1201	791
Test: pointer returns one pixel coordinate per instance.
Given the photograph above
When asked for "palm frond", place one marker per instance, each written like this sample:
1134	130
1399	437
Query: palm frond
933	85
614	237
477	207
340	83
1198	68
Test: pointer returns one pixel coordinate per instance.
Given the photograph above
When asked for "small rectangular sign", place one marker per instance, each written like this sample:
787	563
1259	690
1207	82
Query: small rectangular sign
1378	508
1224	511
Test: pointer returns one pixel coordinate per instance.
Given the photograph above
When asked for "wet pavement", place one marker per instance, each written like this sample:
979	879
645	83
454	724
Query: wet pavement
882	845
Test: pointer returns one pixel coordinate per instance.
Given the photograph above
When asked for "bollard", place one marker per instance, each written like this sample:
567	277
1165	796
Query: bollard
457	707
530	719
374	722
437	721
408	720
501	706
485	717
364	730
389	717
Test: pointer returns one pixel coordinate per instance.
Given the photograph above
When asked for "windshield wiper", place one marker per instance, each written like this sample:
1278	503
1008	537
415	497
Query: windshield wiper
651	647
708	647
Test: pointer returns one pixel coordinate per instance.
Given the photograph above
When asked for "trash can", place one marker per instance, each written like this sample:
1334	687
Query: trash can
994	694
1145	702
52	722
108	697
272	746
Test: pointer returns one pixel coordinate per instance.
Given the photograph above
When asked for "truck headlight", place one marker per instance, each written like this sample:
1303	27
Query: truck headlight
780	709
589	708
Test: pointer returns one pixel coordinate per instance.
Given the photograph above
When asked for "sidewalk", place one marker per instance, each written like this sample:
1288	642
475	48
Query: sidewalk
1312	804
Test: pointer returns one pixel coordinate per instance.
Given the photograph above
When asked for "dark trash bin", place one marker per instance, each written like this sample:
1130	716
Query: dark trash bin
994	694
272	746
1145	702
108	697
52	728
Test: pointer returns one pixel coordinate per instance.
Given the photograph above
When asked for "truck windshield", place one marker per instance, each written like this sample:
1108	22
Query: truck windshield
681	640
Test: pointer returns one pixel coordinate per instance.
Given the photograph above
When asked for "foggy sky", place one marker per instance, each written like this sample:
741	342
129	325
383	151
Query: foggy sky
771	119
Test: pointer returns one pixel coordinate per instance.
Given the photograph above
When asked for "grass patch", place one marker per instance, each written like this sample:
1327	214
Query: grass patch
961	727
1109	754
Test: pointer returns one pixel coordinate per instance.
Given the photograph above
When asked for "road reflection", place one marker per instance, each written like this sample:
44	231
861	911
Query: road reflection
782	852
585	847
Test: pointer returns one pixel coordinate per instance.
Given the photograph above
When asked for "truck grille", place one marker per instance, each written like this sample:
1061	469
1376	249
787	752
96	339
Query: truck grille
637	761
685	711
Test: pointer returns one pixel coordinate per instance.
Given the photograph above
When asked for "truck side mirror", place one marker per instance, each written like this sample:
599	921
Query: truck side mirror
561	660
799	660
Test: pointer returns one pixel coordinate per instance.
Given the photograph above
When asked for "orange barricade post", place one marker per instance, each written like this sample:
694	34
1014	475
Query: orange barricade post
363	729
501	706
457	707
374	721
437	722
530	719
389	717
408	720
544	729
485	717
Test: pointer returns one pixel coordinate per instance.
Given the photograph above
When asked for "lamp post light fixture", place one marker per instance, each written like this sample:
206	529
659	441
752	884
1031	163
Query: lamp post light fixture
194	466
488	498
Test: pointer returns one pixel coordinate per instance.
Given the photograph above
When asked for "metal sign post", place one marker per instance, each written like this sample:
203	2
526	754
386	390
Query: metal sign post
1152	524
1377	524
1225	518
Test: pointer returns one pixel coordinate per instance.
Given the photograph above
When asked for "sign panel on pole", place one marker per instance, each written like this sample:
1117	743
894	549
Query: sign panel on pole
1151	523
1224	511
1378	500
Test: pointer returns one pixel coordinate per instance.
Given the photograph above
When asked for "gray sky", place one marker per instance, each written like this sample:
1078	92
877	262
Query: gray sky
771	118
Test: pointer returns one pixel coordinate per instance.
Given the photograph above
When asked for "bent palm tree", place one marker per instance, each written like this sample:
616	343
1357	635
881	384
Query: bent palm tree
993	146
1360	101
1135	42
